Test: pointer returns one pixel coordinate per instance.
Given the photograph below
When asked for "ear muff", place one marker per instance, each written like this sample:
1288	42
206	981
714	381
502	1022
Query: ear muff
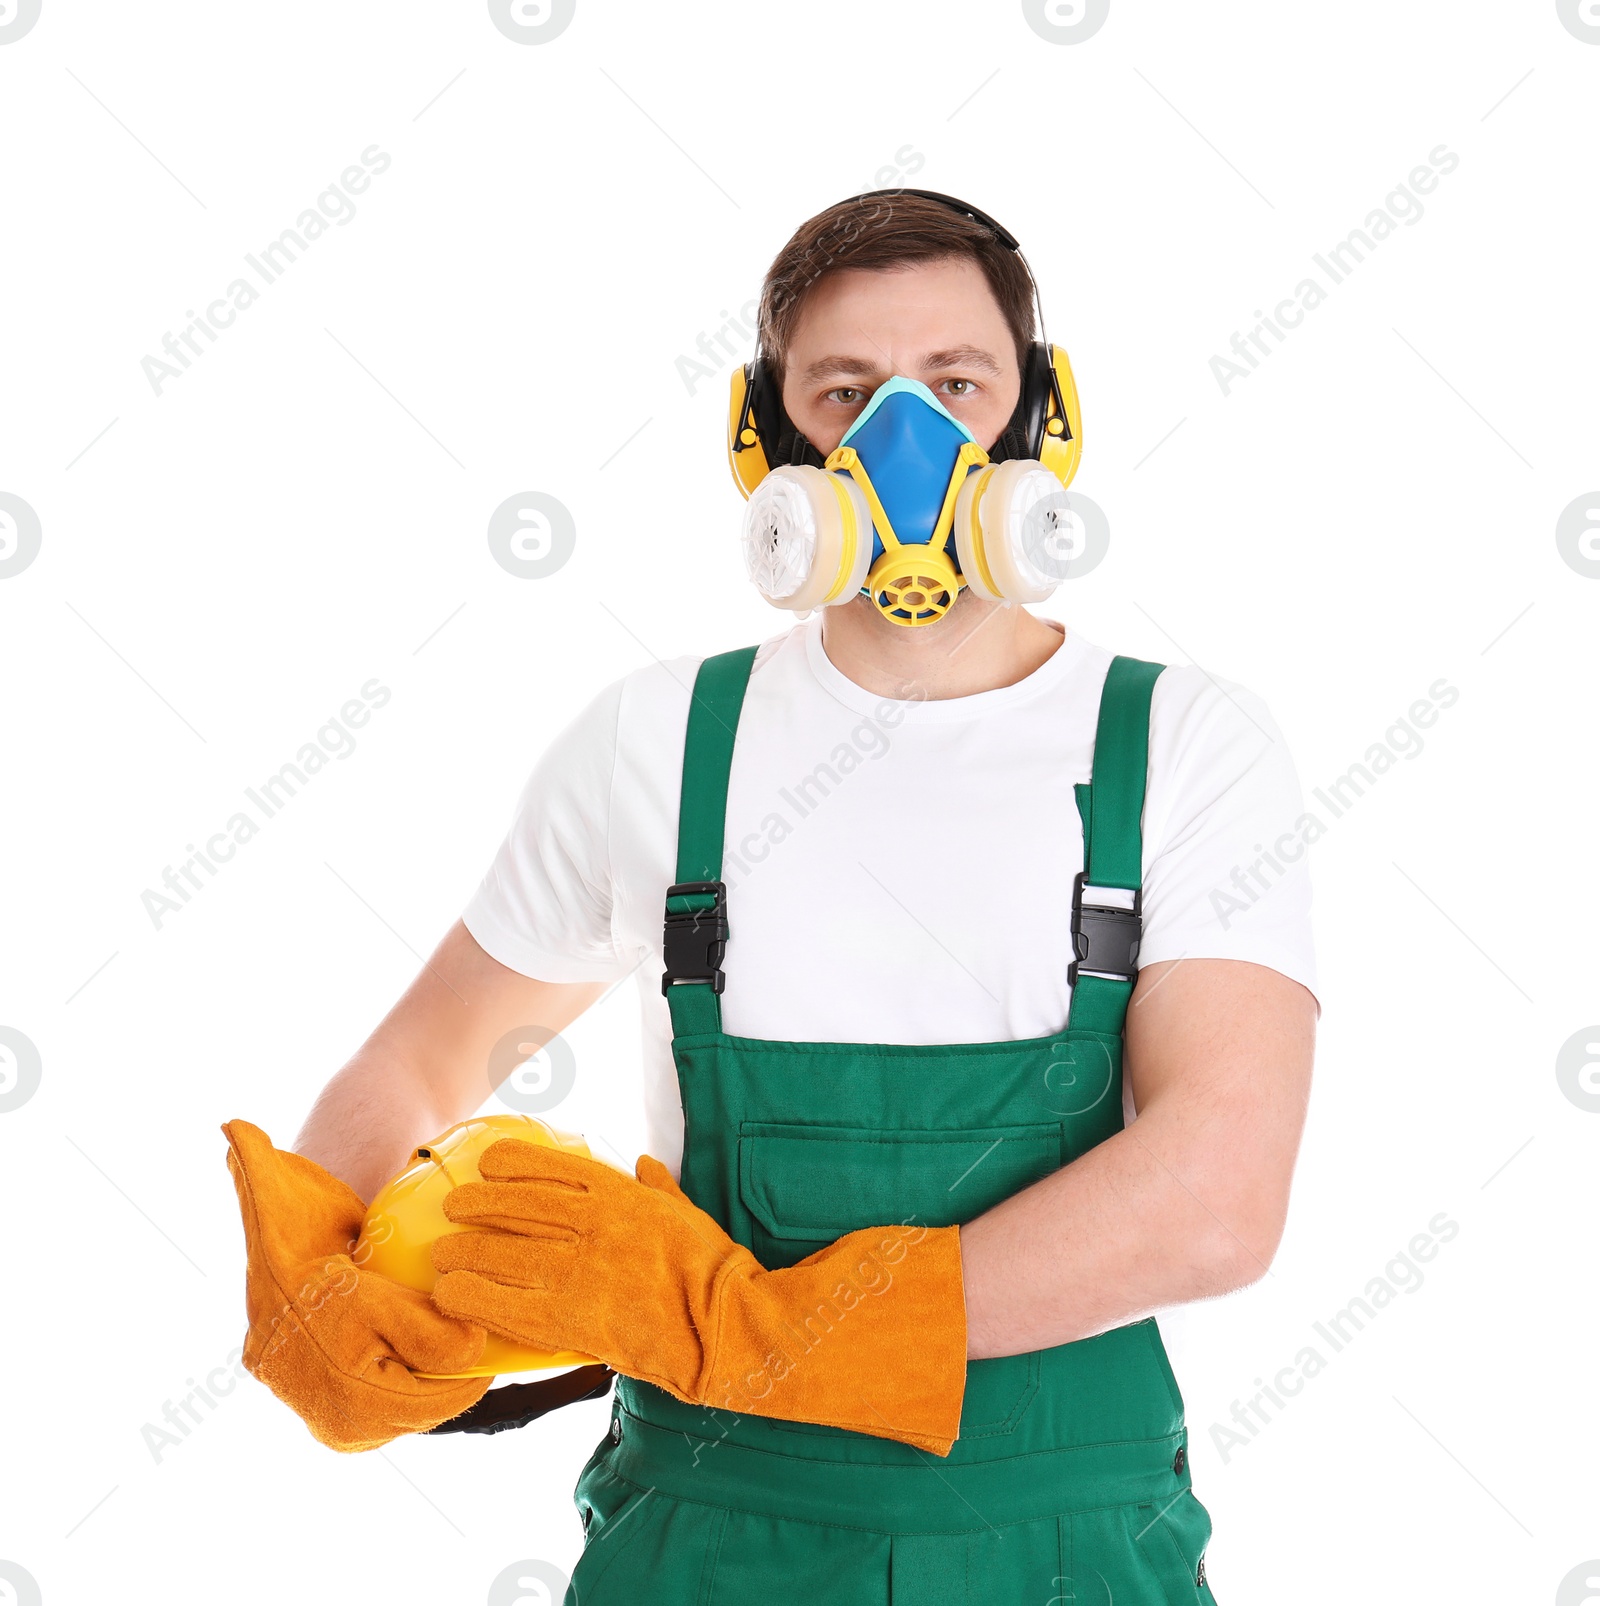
1061	440
1011	530
807	537
746	457
761	435
1039	428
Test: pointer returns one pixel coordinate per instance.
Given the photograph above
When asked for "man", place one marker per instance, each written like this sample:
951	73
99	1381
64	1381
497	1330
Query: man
880	1296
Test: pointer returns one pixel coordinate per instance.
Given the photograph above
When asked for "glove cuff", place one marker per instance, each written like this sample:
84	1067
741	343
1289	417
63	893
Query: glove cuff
868	1334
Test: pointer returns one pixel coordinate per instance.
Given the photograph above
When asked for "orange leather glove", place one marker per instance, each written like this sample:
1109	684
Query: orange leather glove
337	1344
869	1333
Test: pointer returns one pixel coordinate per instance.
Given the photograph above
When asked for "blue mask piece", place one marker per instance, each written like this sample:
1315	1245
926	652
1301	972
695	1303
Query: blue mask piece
908	444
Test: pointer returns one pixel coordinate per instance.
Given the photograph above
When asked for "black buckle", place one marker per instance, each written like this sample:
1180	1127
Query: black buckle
693	943
1105	937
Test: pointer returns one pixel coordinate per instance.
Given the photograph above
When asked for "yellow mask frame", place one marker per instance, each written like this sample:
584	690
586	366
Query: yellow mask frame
913	577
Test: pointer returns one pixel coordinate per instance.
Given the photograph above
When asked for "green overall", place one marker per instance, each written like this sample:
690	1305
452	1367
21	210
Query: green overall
1069	1481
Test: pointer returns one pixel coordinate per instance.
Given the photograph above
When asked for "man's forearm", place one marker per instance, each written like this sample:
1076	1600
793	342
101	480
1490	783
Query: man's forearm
369	1118
1187	1202
1121	1232
427	1065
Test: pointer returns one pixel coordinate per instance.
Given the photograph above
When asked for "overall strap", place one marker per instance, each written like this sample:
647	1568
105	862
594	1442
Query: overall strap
1106	930
696	928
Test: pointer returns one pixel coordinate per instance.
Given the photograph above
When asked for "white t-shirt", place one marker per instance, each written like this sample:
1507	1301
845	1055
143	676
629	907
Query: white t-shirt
897	872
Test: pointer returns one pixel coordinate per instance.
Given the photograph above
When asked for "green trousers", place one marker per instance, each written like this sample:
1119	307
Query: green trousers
1069	1480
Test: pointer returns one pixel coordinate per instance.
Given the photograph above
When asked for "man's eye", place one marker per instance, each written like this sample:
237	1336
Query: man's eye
969	386
847	395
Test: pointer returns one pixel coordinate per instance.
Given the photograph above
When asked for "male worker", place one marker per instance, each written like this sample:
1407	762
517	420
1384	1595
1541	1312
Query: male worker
923	894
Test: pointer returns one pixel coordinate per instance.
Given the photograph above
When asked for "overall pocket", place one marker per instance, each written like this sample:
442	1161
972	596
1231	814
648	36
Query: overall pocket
1172	1534
614	1515
641	1545
805	1186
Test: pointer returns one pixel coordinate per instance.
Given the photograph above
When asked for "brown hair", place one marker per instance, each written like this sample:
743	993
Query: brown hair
887	231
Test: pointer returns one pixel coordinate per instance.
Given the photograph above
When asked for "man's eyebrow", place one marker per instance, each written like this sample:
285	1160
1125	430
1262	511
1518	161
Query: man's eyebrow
865	368
962	357
826	367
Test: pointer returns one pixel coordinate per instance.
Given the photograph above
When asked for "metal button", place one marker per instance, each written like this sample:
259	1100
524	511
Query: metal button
616	1430
1178	1461
588	1517
1200	1573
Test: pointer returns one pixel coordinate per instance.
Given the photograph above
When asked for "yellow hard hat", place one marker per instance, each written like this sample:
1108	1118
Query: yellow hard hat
407	1215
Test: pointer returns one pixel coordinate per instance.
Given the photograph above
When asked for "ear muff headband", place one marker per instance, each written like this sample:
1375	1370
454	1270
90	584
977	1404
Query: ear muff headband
1045	426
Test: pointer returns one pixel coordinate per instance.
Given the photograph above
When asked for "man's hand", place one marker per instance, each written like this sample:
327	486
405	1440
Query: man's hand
337	1344
869	1333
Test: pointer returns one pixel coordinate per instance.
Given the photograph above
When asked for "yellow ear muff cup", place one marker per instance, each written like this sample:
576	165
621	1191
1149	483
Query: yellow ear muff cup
748	464
407	1216
1010	531
1059	453
807	538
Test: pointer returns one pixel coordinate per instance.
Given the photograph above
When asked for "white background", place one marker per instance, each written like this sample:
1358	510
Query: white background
228	562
